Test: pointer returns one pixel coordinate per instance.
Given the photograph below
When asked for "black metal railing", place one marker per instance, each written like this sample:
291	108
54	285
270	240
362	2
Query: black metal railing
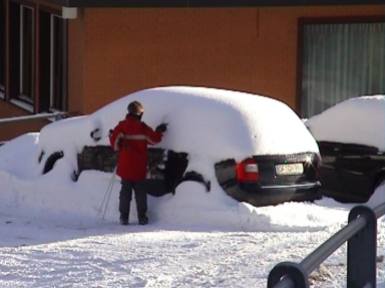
361	235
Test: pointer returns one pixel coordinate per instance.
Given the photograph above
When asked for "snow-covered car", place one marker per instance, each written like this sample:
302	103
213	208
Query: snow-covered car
254	148
351	138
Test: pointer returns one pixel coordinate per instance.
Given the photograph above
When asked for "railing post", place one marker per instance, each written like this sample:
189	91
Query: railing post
362	249
291	270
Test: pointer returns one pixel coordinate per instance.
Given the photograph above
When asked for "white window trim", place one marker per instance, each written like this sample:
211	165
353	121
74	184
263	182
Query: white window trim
2	91
22	104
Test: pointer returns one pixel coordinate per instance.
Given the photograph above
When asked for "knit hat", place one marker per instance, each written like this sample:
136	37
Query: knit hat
135	108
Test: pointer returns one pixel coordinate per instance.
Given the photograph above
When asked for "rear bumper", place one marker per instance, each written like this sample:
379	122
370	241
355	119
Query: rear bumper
274	194
292	186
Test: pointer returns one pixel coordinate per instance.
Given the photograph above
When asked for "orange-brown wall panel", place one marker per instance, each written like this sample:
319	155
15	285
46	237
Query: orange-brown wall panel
142	48
248	49
12	130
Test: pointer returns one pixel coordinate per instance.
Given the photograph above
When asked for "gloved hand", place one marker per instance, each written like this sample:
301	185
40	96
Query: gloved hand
161	128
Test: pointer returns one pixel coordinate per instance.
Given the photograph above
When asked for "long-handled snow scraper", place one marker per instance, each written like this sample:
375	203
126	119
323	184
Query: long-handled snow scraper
107	195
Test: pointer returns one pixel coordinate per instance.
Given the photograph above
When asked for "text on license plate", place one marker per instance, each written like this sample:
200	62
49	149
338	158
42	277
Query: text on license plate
289	169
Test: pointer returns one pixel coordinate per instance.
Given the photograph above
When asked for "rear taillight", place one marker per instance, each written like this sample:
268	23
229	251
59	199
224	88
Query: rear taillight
247	171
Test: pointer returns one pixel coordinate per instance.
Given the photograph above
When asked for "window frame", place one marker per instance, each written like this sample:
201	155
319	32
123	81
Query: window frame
53	61
38	95
49	101
27	99
3	42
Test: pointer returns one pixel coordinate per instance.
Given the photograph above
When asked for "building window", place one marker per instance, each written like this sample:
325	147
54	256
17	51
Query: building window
37	78
2	49
57	99
22	55
341	61
27	48
52	62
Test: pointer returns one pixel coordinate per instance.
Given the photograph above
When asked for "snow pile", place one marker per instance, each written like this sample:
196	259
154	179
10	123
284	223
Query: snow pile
18	156
358	120
56	198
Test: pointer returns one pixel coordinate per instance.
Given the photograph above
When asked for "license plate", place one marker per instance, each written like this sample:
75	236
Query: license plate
289	169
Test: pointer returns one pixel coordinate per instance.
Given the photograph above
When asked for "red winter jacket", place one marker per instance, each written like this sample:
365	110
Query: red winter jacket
130	138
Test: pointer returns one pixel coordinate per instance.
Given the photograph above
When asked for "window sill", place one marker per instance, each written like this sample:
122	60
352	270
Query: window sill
22	104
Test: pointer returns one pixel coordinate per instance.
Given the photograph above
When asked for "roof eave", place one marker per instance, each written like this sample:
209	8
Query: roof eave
208	3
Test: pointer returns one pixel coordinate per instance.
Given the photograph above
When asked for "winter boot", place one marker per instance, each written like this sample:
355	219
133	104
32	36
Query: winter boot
143	220
123	219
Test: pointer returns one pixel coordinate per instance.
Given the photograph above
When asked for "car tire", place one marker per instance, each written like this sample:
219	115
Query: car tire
196	177
49	164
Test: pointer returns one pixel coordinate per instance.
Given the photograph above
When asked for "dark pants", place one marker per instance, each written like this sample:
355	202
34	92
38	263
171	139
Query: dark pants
125	200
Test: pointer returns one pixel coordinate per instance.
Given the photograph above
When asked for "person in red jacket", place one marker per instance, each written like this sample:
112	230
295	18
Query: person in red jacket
130	138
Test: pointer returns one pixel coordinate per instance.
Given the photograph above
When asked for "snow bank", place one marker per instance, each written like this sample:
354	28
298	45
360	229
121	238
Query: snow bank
191	208
55	198
358	120
19	156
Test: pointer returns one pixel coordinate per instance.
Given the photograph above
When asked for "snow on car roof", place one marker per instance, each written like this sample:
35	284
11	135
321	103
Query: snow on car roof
202	121
359	120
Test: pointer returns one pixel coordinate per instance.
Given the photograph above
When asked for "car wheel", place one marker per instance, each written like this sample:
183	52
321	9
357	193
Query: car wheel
52	160
196	177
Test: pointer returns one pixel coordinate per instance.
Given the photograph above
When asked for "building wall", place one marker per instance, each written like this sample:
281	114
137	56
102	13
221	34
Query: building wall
247	49
115	51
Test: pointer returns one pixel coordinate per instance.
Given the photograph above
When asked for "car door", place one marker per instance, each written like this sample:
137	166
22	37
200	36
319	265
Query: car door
357	169
165	171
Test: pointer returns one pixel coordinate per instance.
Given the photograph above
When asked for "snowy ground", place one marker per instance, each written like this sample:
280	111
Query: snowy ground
39	252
